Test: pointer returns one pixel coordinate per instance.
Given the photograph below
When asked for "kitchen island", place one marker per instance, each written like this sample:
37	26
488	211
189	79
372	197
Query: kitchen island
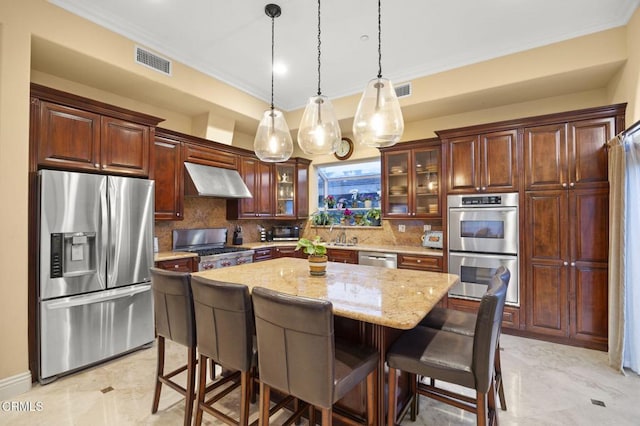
375	303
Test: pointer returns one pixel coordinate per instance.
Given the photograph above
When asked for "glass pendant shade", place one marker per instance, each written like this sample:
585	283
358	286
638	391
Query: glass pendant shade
319	131
273	141
378	121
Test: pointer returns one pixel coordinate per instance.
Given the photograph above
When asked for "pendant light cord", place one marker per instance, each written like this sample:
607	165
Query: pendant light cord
379	40
272	57
319	43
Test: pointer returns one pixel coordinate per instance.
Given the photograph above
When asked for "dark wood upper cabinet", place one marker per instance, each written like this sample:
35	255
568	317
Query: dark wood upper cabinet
411	181
209	155
168	175
280	190
568	155
76	133
589	165
124	147
546	157
68	137
485	162
258	178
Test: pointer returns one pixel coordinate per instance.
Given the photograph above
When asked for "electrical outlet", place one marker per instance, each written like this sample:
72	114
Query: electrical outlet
401	228
426	228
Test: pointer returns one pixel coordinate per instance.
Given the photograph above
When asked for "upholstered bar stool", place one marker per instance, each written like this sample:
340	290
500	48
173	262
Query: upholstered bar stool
174	318
298	355
465	323
224	320
455	358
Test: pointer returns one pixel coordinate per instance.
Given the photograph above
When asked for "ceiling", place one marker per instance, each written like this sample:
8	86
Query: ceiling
231	40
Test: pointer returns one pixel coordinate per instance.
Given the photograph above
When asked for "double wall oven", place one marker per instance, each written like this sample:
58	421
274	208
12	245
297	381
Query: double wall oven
483	235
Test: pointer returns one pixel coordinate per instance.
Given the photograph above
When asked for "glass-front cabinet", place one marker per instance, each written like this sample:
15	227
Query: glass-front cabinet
411	179
285	189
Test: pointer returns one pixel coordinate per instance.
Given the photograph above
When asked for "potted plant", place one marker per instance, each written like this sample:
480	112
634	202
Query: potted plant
373	215
317	252
330	201
368	201
347	216
321	218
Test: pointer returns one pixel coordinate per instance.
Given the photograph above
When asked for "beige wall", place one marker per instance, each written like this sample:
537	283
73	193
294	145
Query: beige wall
625	87
75	55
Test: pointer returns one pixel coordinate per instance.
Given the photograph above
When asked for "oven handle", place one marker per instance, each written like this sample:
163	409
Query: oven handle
484	209
507	256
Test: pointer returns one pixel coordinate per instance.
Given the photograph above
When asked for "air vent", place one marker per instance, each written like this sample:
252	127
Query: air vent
153	61
403	90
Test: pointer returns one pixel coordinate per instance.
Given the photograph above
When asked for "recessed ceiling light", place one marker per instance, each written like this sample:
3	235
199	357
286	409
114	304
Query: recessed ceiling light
364	37
279	68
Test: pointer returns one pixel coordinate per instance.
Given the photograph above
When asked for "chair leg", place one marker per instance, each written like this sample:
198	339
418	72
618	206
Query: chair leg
481	409
371	403
413	379
492	413
312	415
327	416
498	373
159	373
191	386
393	387
265	397
202	385
245	396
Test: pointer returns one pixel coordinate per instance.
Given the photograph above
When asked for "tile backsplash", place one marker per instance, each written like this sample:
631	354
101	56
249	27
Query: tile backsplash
205	212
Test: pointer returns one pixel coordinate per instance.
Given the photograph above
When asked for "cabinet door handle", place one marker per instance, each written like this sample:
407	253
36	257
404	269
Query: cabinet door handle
564	184
484	188
565	263
419	261
572	184
97	166
573	263
176	266
477	188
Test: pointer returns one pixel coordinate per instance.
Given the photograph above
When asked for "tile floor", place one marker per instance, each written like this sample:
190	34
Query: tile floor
545	384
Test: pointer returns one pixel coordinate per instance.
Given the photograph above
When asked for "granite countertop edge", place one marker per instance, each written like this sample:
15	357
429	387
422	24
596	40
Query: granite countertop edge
175	255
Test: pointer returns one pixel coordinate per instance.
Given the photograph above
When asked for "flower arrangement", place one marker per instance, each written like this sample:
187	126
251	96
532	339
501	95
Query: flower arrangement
330	201
347	213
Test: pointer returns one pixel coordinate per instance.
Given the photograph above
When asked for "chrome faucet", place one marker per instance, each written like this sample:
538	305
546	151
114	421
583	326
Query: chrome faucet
342	238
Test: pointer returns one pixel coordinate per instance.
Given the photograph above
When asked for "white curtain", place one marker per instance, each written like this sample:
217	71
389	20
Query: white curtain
624	252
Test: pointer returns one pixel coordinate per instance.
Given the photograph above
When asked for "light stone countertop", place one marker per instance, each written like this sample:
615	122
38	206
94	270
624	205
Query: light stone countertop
358	247
397	298
172	255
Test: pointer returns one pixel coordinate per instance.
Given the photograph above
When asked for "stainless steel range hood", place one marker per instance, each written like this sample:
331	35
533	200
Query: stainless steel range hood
207	181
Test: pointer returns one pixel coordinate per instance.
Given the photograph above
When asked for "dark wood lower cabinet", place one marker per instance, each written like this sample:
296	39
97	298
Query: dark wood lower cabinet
262	254
566	261
288	251
510	317
188	264
342	255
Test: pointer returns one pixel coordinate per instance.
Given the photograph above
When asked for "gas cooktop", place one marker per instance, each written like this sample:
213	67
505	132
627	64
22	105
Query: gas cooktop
209	251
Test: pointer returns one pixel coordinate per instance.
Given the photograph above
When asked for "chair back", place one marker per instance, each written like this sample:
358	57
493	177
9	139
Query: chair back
503	273
224	319
173	306
295	345
487	332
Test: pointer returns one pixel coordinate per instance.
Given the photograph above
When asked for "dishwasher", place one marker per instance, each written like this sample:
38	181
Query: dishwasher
372	258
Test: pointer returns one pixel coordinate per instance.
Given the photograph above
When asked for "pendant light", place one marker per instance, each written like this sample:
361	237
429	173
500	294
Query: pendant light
378	120
319	131
273	141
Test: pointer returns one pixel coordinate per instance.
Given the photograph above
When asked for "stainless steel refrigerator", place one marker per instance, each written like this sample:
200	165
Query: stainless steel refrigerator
96	248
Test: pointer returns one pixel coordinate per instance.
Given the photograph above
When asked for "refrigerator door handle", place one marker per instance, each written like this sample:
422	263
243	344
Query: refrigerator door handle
103	224
100	297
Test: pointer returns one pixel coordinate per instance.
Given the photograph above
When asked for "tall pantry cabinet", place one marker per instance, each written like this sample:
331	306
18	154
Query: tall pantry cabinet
566	228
